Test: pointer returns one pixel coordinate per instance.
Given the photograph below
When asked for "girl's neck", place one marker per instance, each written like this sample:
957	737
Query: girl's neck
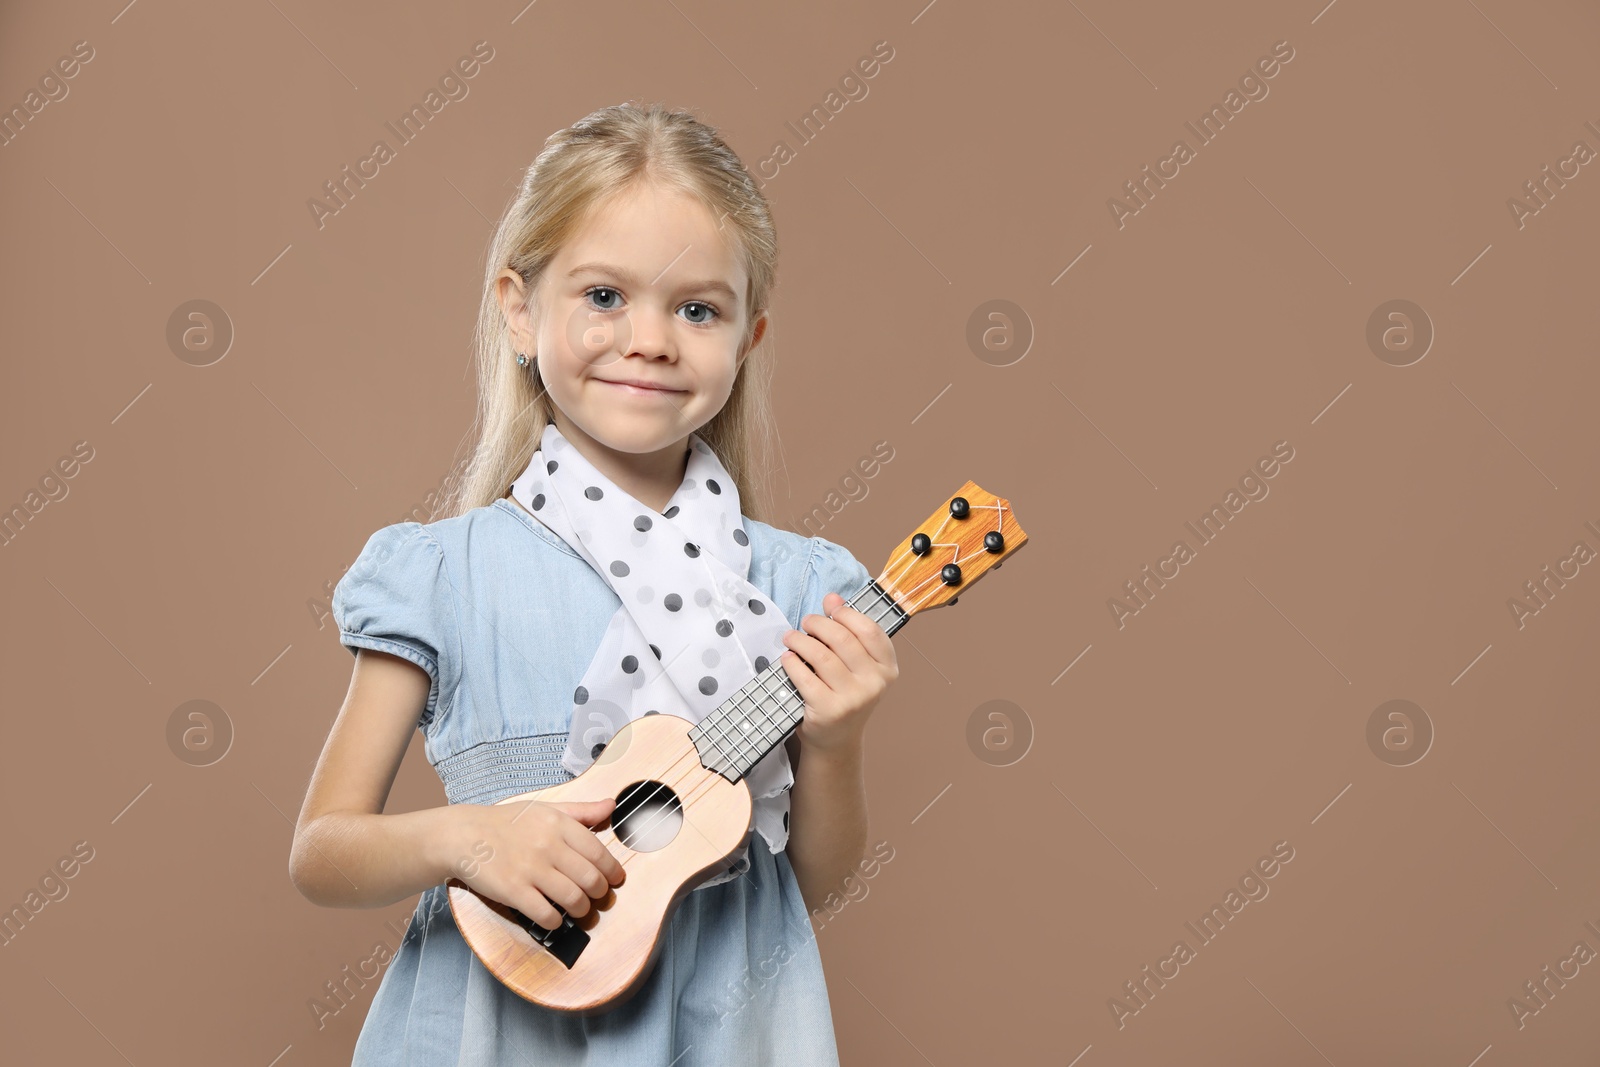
650	477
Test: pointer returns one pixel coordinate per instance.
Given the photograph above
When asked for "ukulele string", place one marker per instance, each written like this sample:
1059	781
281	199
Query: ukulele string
667	810
670	807
1000	521
673	804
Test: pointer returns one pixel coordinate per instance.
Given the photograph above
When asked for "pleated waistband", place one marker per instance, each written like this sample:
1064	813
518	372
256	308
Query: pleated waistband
489	772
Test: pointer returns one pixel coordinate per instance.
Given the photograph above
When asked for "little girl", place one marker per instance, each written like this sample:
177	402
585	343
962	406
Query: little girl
599	565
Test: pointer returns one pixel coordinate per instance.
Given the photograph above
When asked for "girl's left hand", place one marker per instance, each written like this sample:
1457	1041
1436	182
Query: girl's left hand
854	662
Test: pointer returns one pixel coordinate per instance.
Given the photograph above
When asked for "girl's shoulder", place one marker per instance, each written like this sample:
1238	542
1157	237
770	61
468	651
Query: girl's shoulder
476	539
502	526
800	570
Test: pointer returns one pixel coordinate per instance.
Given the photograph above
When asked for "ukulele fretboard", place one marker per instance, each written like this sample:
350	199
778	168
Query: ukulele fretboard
756	719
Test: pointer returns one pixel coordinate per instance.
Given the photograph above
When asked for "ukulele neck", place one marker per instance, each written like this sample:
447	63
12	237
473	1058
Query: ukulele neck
758	718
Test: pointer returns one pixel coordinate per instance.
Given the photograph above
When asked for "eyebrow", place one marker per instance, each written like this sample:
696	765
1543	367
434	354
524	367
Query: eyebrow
713	284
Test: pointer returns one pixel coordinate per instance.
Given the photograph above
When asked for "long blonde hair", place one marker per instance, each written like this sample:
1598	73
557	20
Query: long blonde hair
579	168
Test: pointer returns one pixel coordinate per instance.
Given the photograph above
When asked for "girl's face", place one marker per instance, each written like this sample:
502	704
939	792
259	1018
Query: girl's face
649	291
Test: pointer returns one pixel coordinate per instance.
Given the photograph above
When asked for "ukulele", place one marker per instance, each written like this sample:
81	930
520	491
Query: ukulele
683	808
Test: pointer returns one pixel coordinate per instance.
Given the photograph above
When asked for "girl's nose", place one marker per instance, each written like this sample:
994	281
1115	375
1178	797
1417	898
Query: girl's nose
651	333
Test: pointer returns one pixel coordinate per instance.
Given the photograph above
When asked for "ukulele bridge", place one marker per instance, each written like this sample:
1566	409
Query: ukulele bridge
566	942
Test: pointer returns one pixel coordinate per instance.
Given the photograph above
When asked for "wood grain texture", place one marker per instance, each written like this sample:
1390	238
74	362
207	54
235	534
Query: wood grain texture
624	926
914	581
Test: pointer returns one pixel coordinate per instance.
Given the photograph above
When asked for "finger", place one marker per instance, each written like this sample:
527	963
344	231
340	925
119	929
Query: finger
828	666
584	874
588	811
841	638
564	891
591	848
871	635
539	901
809	686
534	905
813	651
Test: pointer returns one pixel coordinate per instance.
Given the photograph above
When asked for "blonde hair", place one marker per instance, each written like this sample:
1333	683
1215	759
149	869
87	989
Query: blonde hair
579	169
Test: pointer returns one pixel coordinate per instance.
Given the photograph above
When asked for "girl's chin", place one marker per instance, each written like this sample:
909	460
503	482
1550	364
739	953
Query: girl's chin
639	436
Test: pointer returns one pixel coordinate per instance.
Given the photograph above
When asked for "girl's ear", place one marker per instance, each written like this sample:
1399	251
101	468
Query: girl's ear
513	299
757	331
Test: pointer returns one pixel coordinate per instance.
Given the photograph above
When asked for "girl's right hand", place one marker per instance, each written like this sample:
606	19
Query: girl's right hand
535	851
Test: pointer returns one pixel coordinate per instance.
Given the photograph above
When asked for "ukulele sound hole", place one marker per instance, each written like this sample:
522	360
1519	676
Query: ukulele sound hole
647	816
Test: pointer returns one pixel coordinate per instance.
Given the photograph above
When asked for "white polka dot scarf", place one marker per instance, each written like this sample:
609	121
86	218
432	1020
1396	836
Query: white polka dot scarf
691	629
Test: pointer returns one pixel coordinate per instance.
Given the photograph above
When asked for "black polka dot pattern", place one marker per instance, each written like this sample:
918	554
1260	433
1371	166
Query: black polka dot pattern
693	622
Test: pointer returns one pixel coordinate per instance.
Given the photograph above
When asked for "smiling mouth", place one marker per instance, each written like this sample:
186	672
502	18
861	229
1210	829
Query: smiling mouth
639	390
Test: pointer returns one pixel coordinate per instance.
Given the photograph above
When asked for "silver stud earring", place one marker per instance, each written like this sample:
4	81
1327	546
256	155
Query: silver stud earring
522	360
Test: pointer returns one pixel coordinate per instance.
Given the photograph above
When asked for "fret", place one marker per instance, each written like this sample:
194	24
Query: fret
700	732
775	707
722	729
876	604
753	718
757	713
764	708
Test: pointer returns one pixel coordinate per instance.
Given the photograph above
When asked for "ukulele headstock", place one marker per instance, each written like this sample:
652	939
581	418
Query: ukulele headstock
970	535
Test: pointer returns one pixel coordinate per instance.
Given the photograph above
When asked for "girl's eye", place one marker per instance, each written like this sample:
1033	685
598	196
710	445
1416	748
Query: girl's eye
605	298
592	290
710	312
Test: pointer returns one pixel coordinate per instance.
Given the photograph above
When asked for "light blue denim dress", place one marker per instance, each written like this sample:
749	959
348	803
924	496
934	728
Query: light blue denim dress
505	618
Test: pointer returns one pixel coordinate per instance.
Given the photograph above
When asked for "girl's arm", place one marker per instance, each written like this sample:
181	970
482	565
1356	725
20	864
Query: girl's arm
852	662
827	818
346	854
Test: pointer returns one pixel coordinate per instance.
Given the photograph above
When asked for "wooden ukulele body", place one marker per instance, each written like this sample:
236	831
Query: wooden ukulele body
624	927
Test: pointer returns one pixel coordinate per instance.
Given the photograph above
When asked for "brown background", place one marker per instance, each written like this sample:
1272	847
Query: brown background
1228	315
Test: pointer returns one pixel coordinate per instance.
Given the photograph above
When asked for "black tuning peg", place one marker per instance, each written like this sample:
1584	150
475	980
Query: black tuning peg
959	508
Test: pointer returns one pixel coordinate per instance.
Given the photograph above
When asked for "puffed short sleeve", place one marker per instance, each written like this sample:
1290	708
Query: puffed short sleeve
831	569
397	598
